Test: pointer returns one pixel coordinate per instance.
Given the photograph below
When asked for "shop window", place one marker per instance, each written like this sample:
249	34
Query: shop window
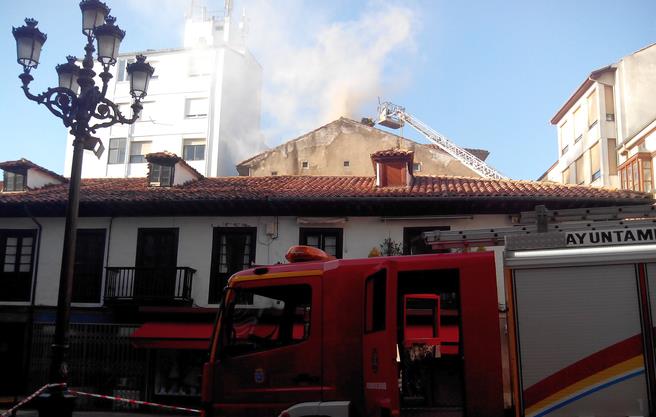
16	258
636	174
279	316
328	240
178	373
375	288
15	181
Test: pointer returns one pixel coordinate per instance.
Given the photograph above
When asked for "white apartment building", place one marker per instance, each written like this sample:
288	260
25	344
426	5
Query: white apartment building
604	127
203	104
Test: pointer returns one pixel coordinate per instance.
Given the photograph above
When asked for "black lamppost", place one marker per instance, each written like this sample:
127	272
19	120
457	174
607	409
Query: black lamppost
83	108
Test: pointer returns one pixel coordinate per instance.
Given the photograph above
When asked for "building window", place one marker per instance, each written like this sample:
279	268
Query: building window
88	271
595	162
196	107
593	111
580	173
193	149
347	164
199	65
274	173
609	103
328	240
565	136
578	124
160	175
116	151
612	157
233	249
16	259
566	175
15	181
146	113
125	109
416	167
138	152
305	164
565	149
636	174
281	317
122	65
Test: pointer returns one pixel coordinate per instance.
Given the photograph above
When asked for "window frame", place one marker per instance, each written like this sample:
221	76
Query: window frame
323	232
632	173
285	288
9	185
188	102
186	143
118	150
214	295
139	158
373	305
156	168
23	291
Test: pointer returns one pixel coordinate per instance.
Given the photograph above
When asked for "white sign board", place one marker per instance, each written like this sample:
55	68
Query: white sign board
611	237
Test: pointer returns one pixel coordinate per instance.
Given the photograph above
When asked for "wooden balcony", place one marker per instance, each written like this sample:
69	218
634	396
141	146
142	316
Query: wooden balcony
149	286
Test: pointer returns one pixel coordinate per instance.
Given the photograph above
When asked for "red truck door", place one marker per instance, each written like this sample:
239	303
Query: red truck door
379	341
271	354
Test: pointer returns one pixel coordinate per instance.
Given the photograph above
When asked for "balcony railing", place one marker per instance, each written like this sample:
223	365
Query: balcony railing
154	286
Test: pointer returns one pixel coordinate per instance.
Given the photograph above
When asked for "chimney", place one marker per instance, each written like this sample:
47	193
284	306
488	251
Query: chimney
393	167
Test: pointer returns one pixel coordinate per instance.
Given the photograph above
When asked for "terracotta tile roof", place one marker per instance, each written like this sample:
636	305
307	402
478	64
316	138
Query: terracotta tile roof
27	164
394	152
301	188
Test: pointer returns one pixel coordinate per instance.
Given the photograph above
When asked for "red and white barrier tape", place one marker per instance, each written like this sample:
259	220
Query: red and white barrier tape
131	401
30	398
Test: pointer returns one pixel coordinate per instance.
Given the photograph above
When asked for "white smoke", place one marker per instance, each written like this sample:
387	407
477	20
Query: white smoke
318	66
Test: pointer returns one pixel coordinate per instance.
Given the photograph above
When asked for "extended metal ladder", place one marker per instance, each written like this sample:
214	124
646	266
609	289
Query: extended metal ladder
534	223
394	116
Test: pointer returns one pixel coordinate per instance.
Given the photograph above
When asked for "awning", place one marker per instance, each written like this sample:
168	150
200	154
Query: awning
173	336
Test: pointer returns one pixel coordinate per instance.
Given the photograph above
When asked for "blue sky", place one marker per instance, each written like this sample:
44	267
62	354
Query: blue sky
488	74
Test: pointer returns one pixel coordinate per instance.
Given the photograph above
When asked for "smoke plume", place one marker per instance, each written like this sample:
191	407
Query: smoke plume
319	64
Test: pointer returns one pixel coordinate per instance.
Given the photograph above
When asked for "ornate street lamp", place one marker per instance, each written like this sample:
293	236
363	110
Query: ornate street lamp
84	112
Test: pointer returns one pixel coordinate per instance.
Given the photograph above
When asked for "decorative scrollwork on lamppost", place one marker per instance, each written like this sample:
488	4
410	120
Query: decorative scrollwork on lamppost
83	108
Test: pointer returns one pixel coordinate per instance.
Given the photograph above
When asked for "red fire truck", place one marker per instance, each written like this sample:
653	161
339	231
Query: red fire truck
420	335
363	337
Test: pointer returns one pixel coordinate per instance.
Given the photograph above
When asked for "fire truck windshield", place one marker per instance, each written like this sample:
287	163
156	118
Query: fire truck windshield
267	318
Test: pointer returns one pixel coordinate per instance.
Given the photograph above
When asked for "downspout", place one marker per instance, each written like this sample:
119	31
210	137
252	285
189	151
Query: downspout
35	274
209	140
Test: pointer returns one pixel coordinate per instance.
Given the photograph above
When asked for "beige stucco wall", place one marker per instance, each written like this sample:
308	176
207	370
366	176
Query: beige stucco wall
326	149
636	88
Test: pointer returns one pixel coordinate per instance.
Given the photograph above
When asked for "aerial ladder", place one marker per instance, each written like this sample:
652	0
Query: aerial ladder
394	116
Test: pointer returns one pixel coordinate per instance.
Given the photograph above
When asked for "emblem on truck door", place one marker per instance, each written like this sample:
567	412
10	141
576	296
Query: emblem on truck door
258	375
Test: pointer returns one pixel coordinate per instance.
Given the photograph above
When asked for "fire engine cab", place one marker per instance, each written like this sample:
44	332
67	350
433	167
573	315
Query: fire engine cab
391	336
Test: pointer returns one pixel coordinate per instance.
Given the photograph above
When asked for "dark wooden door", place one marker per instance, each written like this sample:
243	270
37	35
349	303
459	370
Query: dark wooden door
157	257
233	249
89	257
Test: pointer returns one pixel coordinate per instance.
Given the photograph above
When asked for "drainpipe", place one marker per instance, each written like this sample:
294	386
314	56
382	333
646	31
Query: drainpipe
35	274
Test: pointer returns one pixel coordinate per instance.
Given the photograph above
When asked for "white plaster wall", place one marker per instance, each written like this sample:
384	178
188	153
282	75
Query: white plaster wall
37	179
361	234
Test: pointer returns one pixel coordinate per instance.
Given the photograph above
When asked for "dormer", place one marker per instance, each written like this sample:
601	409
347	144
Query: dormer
166	169
393	167
22	175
